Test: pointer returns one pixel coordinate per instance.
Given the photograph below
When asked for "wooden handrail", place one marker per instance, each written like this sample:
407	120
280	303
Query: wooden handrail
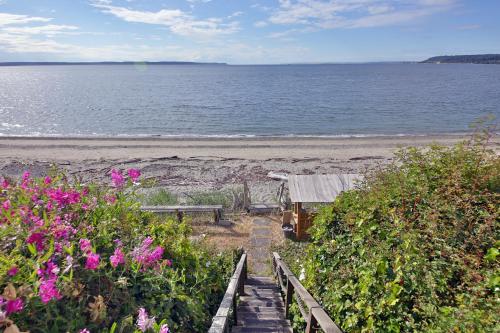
314	315
220	323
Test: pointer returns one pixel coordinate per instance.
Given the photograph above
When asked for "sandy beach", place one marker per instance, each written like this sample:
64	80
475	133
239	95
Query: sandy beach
186	164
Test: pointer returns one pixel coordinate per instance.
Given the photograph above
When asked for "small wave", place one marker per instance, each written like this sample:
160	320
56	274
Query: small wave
12	125
225	136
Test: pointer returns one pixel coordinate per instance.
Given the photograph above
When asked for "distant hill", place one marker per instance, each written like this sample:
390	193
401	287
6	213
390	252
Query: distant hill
465	59
109	63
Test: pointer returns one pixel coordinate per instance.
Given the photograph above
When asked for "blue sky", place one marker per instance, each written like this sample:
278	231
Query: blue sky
246	31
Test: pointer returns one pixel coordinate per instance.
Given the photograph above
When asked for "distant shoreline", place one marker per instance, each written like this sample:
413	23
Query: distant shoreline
113	63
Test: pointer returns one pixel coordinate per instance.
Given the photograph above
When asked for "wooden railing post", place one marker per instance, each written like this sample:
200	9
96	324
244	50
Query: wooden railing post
235	313
289	297
311	322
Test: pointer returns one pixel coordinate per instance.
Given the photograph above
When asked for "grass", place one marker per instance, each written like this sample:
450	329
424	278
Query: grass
160	197
224	198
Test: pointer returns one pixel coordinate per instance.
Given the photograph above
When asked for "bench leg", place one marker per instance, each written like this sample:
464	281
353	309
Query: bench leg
180	216
217	216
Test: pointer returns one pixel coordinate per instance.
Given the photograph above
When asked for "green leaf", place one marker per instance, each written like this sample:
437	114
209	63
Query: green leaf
491	255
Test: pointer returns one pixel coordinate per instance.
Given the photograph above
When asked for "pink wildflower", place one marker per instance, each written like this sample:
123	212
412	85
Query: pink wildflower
5	183
13	271
47	180
143	321
37	239
48	290
84	331
6	205
26	176
156	254
110	199
85	245
117	258
145	256
14	306
168	262
117	178
164	329
92	261
134	174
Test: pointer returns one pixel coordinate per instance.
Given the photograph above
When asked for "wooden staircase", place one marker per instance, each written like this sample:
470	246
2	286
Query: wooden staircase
255	304
261	308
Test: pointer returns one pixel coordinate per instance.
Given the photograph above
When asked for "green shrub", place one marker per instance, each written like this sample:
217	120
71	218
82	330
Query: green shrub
415	248
223	198
160	197
78	256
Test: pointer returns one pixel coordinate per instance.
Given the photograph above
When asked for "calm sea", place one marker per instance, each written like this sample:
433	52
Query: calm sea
330	100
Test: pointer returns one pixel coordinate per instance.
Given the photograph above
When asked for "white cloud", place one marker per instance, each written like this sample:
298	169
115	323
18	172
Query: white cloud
7	19
235	14
330	14
179	22
260	24
49	30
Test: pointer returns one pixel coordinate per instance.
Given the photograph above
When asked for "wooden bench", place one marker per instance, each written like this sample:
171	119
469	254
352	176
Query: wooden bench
180	210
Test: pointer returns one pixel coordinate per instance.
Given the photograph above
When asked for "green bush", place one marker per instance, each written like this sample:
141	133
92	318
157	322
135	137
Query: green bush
77	257
159	197
415	248
223	198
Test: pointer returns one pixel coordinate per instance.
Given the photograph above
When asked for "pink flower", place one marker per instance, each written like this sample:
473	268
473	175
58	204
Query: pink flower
85	245
156	254
145	256
37	239
134	174
14	306
47	180
13	271
48	290
143	321
168	262
117	258
164	329
26	176
5	183
92	261
6	205
117	178
110	199
84	331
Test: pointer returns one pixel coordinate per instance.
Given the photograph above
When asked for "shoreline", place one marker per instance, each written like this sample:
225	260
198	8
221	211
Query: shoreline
216	137
193	164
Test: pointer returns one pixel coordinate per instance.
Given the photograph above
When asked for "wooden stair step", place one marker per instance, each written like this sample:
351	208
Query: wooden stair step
257	309
267	298
239	329
262	303
262	315
254	322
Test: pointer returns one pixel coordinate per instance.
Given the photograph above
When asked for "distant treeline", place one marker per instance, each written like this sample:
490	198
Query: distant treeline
466	59
109	63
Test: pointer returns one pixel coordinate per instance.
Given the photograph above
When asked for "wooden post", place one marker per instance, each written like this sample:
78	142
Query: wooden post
298	208
311	322
289	296
180	215
235	315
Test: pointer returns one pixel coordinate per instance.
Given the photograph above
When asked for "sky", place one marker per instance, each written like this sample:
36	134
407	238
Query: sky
246	31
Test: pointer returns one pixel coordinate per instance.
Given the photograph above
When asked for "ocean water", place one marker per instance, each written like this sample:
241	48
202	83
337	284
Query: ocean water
211	100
